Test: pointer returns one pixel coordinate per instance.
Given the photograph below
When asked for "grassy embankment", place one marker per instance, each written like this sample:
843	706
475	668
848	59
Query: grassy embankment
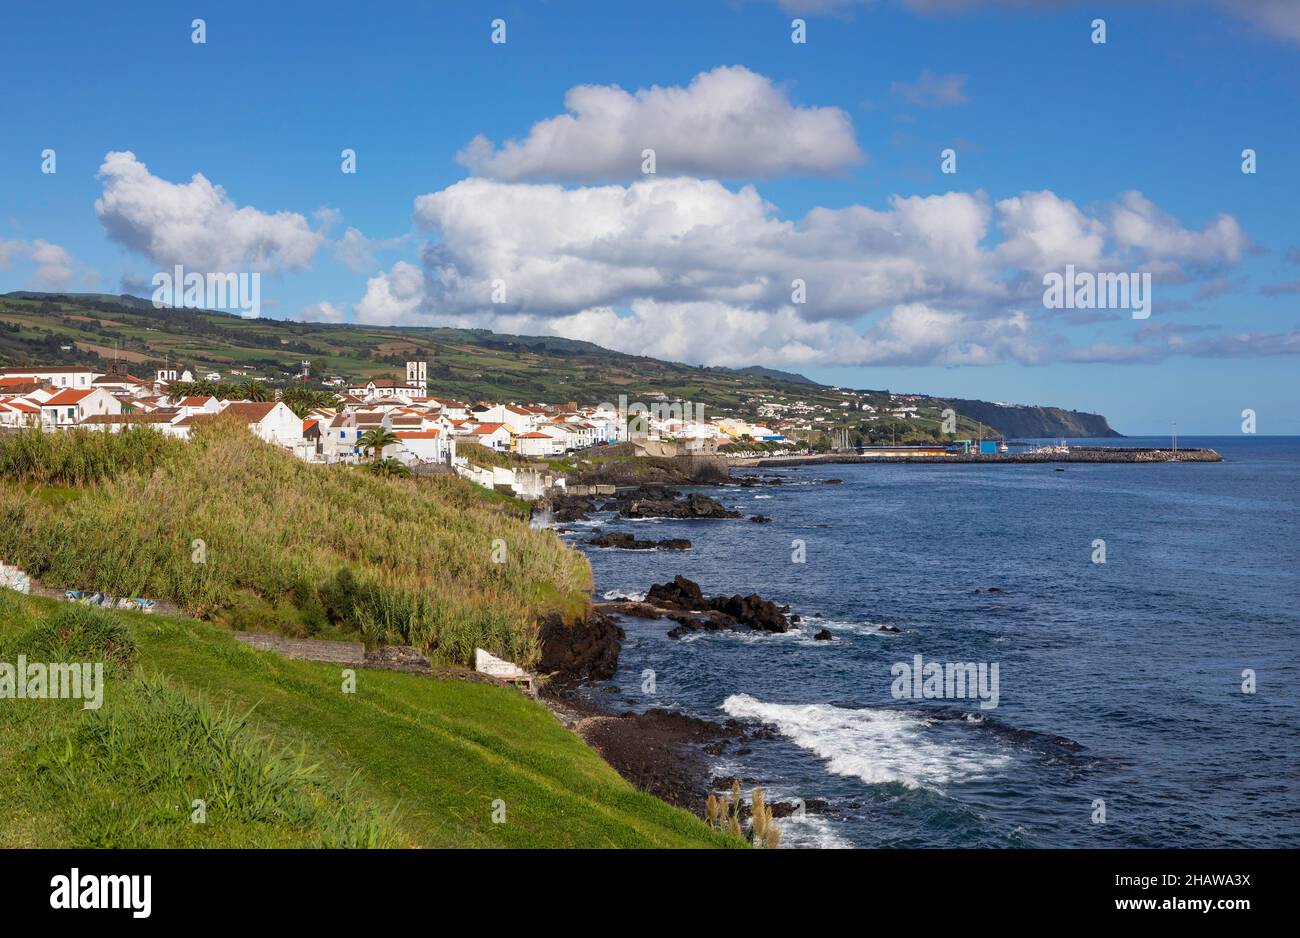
239	531
283	758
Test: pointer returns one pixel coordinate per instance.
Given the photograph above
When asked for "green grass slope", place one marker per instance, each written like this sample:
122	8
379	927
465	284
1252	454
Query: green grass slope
283	757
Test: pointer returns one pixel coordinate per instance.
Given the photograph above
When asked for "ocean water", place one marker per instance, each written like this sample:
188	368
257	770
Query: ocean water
1120	683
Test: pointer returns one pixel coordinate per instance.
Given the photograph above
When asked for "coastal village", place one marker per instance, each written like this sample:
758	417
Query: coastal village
413	427
506	446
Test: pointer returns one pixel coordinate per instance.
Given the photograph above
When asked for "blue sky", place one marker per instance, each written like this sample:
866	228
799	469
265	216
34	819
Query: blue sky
1119	157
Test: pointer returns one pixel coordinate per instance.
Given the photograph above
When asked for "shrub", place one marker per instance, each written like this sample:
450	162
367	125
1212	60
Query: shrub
76	633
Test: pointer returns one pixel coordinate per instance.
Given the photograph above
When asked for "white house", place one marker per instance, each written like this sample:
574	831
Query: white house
16	413
427	445
69	408
271	421
493	436
124	384
195	405
61	376
535	444
340	438
454	409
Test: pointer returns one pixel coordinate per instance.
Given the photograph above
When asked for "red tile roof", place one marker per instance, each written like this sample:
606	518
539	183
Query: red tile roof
253	413
70	396
19	386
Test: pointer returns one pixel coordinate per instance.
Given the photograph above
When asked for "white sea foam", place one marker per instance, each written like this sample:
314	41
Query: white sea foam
811	831
620	594
856	628
796	634
875	745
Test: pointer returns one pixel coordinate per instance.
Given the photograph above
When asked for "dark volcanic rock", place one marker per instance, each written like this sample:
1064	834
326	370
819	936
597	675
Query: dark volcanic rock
630	607
824	635
719	612
707	621
760	519
628	542
889	628
571	507
782	809
681	592
665	504
586	650
660	751
753	611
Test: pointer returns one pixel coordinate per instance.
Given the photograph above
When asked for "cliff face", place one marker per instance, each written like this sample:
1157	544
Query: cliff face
1021	421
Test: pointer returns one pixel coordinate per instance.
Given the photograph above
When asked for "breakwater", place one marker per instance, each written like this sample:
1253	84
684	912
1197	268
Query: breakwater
1077	454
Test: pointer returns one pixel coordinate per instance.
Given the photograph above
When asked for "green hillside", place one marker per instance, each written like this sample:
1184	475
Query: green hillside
469	364
282	757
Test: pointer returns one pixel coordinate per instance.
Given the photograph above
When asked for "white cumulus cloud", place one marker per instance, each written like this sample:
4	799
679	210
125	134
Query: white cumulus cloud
196	224
53	266
727	123
691	270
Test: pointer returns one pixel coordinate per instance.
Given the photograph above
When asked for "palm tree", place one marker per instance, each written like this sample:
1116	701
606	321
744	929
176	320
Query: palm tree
301	400
375	440
257	392
389	468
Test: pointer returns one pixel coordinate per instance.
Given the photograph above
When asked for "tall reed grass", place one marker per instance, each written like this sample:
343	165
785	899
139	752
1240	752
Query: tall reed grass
83	457
225	519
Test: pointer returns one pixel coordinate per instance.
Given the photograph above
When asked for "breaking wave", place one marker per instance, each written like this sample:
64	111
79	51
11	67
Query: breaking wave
877	746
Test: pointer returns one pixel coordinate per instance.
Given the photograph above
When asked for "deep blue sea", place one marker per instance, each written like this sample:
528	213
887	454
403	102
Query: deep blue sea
1119	682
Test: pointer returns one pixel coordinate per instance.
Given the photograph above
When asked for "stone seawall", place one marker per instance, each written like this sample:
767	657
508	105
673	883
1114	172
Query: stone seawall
1096	454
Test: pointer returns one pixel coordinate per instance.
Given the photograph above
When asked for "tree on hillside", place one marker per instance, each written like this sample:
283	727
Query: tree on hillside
255	391
389	468
302	400
374	441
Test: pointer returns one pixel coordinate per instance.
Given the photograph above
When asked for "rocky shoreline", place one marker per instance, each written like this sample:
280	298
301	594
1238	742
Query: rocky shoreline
646	501
663	752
